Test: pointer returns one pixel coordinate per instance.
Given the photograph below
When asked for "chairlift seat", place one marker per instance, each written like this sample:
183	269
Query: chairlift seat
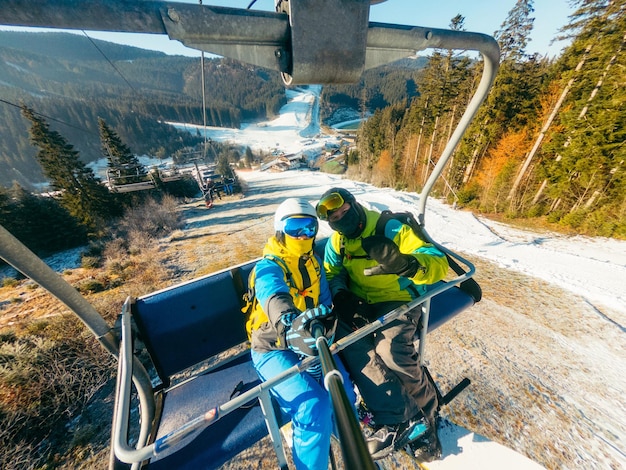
216	444
190	323
182	326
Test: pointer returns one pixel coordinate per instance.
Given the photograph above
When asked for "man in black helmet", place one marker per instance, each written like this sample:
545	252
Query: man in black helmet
371	274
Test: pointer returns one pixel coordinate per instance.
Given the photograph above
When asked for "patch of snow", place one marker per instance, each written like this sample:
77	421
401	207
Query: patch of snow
59	262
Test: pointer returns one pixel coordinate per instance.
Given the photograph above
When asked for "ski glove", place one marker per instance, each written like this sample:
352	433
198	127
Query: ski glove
390	259
283	325
300	338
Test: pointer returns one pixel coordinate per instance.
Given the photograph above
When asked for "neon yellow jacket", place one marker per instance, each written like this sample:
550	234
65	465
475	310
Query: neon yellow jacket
345	270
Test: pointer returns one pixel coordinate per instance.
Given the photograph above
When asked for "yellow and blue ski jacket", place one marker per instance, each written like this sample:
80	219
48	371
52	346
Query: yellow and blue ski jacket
345	260
283	272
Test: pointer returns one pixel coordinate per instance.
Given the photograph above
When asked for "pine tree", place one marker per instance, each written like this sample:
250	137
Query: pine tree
248	157
73	183
514	33
38	222
122	163
586	173
223	164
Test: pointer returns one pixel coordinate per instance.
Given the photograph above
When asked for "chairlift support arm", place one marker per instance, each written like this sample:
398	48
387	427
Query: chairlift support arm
317	41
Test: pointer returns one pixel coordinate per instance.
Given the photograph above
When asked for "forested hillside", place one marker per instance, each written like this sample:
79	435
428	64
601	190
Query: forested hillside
547	144
378	88
72	81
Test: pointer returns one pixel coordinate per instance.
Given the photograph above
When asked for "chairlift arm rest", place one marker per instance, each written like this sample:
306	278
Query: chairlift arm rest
125	377
471	269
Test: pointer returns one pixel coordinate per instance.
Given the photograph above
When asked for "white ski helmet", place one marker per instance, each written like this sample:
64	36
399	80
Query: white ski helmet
289	208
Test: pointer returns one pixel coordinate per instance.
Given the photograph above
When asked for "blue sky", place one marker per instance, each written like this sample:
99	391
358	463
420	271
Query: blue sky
483	16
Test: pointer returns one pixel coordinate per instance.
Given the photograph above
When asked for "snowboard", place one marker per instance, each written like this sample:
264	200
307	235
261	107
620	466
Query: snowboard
464	449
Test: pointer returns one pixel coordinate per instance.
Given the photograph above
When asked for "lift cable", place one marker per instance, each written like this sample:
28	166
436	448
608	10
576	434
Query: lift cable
49	118
108	60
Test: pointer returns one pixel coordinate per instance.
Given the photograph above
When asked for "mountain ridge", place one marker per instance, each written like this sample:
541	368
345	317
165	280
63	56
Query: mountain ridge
73	80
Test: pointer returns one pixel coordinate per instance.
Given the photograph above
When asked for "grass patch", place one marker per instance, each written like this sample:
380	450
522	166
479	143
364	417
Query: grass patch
55	378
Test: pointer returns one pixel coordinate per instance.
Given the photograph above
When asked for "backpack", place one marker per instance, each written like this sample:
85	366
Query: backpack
469	286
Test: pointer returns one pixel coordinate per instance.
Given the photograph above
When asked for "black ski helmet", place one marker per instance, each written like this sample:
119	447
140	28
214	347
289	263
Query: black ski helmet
353	222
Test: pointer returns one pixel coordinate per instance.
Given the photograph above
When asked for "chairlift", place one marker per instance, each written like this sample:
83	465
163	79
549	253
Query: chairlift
222	408
118	183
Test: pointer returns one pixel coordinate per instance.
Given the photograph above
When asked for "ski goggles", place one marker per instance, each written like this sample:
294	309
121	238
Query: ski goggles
328	204
300	227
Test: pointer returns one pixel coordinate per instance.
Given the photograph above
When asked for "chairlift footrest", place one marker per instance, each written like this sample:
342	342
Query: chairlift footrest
458	388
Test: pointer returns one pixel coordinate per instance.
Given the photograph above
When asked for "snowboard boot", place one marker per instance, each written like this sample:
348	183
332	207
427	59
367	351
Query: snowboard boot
426	447
389	438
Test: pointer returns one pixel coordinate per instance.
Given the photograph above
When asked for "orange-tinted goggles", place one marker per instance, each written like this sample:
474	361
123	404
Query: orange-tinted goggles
328	204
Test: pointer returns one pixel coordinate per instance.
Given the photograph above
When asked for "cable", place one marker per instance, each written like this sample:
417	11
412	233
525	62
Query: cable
107	59
63	122
49	118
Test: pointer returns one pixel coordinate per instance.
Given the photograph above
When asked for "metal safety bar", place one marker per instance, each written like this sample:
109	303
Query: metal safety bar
129	455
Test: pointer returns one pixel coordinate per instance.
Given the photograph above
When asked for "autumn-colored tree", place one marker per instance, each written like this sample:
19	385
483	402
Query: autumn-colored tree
383	174
491	174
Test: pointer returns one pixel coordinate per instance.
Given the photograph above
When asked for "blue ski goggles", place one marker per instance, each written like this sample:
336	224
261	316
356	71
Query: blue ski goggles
300	226
328	204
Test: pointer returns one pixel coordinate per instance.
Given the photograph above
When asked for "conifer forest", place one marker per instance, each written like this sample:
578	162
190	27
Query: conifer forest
549	142
547	145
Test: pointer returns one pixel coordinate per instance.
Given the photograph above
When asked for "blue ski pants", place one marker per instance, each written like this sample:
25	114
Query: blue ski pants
308	404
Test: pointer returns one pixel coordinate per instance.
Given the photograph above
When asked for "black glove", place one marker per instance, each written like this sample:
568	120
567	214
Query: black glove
347	304
390	259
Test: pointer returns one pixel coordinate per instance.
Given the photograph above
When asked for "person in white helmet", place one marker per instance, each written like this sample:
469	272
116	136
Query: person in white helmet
290	291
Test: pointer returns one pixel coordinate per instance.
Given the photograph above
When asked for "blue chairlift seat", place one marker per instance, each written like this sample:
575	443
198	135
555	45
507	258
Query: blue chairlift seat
447	305
183	326
224	439
189	323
